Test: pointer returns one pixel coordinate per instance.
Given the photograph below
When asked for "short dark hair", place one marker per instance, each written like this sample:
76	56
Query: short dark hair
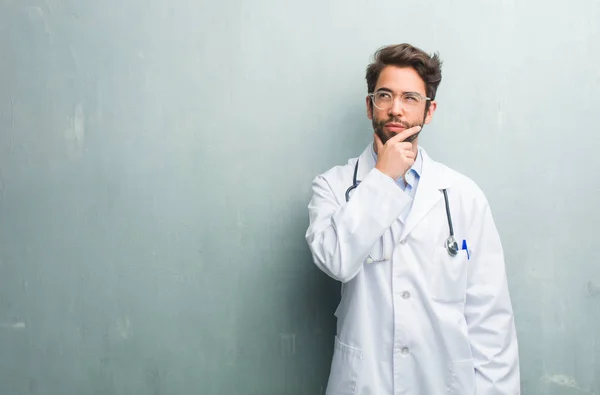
429	67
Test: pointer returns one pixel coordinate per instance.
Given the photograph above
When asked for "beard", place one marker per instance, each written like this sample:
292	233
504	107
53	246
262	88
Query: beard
378	126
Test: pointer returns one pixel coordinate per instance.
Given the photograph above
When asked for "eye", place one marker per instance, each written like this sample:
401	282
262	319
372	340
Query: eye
383	95
412	98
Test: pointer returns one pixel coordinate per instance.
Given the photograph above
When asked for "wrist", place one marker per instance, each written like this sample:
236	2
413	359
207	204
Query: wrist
384	172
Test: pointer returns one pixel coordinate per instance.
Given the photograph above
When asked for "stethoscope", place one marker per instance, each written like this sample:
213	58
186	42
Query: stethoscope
450	244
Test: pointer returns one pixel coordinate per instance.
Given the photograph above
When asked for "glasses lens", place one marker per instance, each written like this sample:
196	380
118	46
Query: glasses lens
411	99
382	99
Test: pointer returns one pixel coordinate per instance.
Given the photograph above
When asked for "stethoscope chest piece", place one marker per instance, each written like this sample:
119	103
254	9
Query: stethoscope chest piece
451	246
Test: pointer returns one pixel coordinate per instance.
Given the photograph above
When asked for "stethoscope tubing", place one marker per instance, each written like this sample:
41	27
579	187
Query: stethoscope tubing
451	244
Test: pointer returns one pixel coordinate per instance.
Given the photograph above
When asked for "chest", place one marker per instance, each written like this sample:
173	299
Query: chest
418	259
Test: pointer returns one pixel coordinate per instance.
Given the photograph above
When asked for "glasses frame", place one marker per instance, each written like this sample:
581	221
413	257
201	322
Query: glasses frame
402	95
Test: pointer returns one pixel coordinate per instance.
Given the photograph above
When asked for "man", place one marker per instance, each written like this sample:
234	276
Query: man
421	313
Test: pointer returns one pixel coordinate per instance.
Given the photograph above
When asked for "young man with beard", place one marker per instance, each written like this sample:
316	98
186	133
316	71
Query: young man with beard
425	307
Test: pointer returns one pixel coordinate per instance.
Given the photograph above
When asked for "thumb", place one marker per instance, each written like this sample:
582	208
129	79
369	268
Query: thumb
378	143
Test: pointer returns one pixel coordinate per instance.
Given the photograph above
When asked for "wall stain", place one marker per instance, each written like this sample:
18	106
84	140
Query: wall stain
593	290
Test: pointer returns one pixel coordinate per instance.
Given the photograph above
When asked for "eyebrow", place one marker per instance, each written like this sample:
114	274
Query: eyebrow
384	89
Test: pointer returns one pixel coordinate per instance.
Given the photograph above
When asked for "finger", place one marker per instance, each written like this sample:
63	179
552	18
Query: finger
405	134
410	155
407	154
378	142
405	146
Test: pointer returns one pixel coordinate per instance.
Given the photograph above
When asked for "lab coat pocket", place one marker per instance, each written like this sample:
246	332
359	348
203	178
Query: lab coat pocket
449	276
463	377
345	369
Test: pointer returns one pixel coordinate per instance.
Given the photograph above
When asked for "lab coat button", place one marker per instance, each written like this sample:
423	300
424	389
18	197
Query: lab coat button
405	351
405	295
403	241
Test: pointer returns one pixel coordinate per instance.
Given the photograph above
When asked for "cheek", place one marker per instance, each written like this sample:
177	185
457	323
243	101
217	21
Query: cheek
379	115
418	119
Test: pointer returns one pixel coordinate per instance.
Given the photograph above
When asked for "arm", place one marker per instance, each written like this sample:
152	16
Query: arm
489	313
340	236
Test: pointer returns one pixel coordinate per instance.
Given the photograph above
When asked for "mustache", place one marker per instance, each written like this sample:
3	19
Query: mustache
395	120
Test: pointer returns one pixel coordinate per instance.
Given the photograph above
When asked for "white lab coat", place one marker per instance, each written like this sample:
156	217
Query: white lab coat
422	322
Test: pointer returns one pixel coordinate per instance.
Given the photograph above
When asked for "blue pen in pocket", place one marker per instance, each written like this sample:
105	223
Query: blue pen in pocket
464	247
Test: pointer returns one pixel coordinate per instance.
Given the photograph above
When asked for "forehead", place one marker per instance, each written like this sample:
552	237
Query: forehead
400	79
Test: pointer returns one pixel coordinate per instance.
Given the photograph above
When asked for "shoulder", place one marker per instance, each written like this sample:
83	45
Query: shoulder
466	196
460	183
338	172
466	184
330	184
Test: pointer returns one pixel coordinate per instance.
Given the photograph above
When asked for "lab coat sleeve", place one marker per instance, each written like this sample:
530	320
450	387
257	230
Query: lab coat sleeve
489	313
341	234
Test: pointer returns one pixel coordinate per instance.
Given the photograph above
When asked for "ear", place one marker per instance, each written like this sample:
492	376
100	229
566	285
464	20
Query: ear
369	108
430	111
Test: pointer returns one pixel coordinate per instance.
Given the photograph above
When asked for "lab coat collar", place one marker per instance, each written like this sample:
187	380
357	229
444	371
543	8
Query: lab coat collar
434	178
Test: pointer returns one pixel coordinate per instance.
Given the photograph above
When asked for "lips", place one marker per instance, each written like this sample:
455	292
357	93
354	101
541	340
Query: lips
395	127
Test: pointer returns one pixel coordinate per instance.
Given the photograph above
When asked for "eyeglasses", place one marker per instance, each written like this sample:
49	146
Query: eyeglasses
383	100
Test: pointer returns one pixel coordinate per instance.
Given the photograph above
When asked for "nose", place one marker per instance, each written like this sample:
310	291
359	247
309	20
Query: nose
395	109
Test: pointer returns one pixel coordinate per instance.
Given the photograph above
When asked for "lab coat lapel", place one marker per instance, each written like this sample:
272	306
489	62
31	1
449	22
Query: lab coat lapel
428	193
366	163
